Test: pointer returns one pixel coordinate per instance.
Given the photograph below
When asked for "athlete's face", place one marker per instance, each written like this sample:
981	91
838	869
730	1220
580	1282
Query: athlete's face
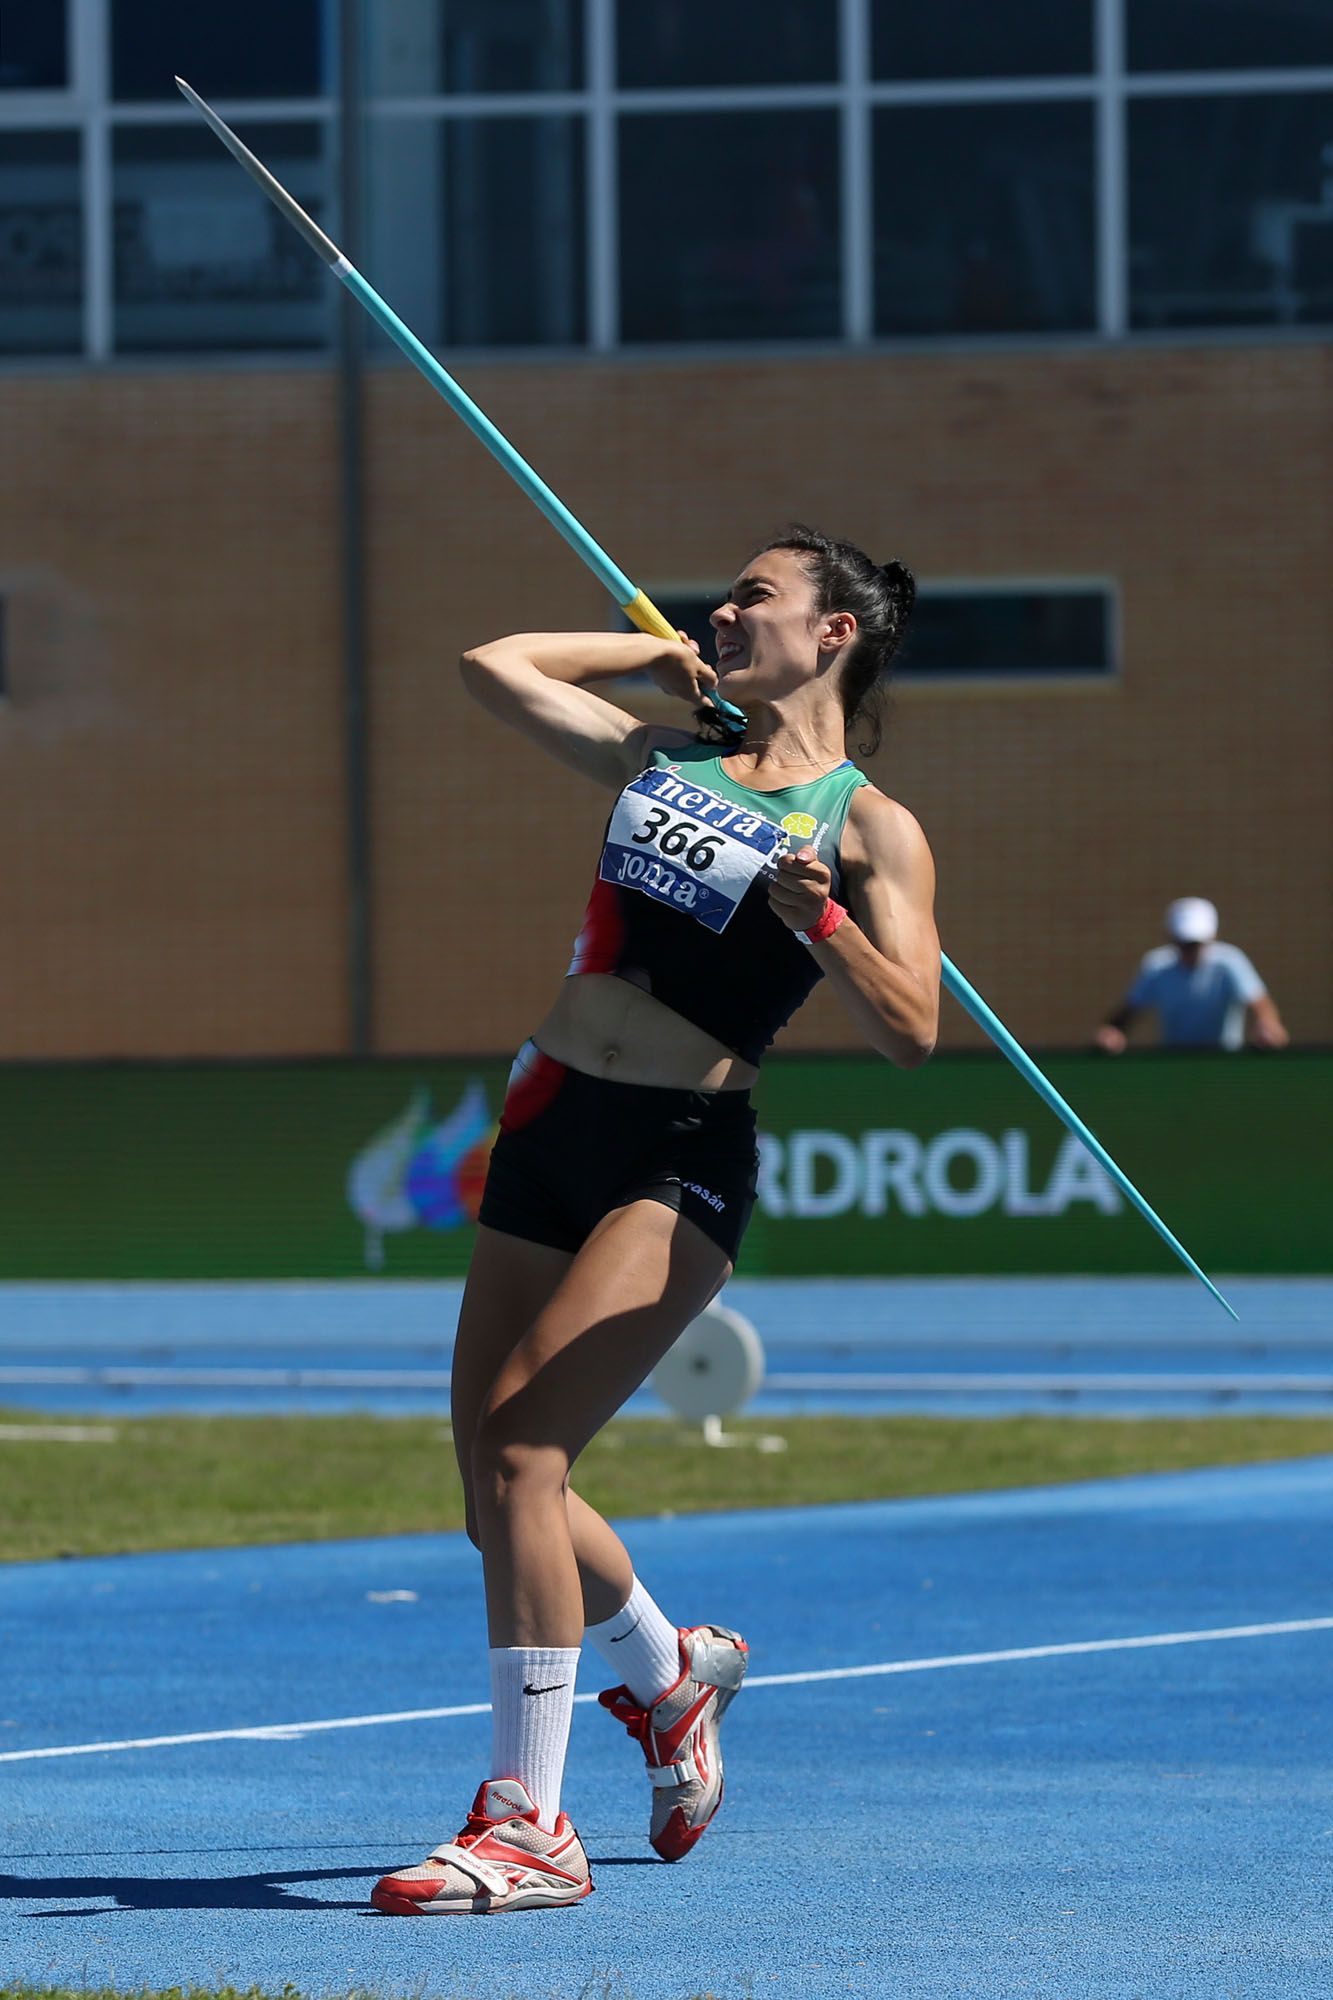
768	637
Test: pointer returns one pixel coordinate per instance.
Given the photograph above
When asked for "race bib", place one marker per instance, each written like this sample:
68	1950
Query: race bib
687	847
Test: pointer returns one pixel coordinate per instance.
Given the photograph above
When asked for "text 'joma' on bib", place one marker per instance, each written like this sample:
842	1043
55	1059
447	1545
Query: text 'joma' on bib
687	847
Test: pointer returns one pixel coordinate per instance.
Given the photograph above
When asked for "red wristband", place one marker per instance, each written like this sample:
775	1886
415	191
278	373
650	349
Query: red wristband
829	919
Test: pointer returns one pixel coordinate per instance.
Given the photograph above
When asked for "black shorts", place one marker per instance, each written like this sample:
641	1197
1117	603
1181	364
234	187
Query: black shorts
572	1147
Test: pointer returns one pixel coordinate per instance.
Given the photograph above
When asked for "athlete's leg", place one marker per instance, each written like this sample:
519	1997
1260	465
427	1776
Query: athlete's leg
596	1327
643	1274
509	1284
509	1281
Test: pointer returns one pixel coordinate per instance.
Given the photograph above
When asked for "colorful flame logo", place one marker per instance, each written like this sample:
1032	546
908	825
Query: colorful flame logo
420	1173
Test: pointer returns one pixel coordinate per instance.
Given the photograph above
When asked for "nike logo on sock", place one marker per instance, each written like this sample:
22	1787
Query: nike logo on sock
633	1628
528	1688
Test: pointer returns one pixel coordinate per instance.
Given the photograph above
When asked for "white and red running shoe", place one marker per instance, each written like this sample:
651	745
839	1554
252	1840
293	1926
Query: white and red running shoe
502	1860
679	1734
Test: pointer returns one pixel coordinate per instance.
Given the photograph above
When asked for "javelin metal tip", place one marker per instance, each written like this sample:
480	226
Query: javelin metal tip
322	245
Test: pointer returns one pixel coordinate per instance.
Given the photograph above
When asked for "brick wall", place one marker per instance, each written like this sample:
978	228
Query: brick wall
170	760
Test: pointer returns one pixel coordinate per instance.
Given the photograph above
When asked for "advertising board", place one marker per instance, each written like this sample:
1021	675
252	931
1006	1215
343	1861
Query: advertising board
353	1169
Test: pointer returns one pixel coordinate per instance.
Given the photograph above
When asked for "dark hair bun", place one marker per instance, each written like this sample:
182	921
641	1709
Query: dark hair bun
902	587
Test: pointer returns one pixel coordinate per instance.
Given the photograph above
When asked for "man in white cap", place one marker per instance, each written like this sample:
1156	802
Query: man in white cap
1206	993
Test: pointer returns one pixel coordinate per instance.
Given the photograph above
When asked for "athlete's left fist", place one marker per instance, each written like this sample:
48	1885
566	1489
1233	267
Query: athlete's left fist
799	889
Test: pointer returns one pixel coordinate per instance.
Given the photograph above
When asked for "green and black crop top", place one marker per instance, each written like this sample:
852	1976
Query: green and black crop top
680	907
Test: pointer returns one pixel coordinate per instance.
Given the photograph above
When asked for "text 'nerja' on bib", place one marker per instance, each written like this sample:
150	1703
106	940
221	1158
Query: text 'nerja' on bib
687	847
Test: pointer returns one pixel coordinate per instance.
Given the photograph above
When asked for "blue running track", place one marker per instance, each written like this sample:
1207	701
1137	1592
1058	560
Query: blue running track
957	1347
1072	1743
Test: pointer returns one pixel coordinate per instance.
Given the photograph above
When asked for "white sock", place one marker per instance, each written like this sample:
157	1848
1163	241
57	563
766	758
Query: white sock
532	1705
641	1645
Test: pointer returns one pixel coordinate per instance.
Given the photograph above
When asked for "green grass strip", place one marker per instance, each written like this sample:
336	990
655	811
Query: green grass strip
223	1482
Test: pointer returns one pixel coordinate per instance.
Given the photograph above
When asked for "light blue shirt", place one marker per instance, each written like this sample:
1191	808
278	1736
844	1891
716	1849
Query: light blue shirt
1203	1007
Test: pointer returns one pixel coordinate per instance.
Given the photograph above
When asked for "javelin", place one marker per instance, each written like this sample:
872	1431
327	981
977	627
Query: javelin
636	606
640	610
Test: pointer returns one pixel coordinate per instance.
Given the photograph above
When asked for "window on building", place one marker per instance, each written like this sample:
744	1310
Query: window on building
737	43
202	259
1038	632
921	40
983	218
729	226
34	46
963	632
516	182
1242	34
466	186
225	48
463	47
1231	210
981	205
41	243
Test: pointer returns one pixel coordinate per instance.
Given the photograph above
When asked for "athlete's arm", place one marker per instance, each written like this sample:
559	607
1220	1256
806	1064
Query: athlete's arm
539	683
1112	1035
1264	1025
884	958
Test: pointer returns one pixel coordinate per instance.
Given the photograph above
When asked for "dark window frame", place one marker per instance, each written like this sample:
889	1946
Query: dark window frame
856	314
1141	60
1072	674
686	606
12	92
54	224
761	60
197	303
783	275
991	282
205	46
932	69
1240	285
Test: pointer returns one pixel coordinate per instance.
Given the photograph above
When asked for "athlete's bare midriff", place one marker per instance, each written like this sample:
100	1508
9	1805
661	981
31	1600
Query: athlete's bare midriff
606	1027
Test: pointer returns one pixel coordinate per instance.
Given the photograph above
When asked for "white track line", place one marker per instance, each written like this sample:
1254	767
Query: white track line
71	1377
277	1731
896	1383
58	1433
996	1382
1047	1652
262	1732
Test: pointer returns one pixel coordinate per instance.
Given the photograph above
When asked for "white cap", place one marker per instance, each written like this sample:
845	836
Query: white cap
1191	920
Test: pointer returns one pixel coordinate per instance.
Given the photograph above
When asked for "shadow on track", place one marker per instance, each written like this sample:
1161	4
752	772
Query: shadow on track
266	1891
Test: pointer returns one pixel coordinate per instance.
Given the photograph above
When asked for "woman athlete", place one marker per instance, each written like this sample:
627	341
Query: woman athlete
731	880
